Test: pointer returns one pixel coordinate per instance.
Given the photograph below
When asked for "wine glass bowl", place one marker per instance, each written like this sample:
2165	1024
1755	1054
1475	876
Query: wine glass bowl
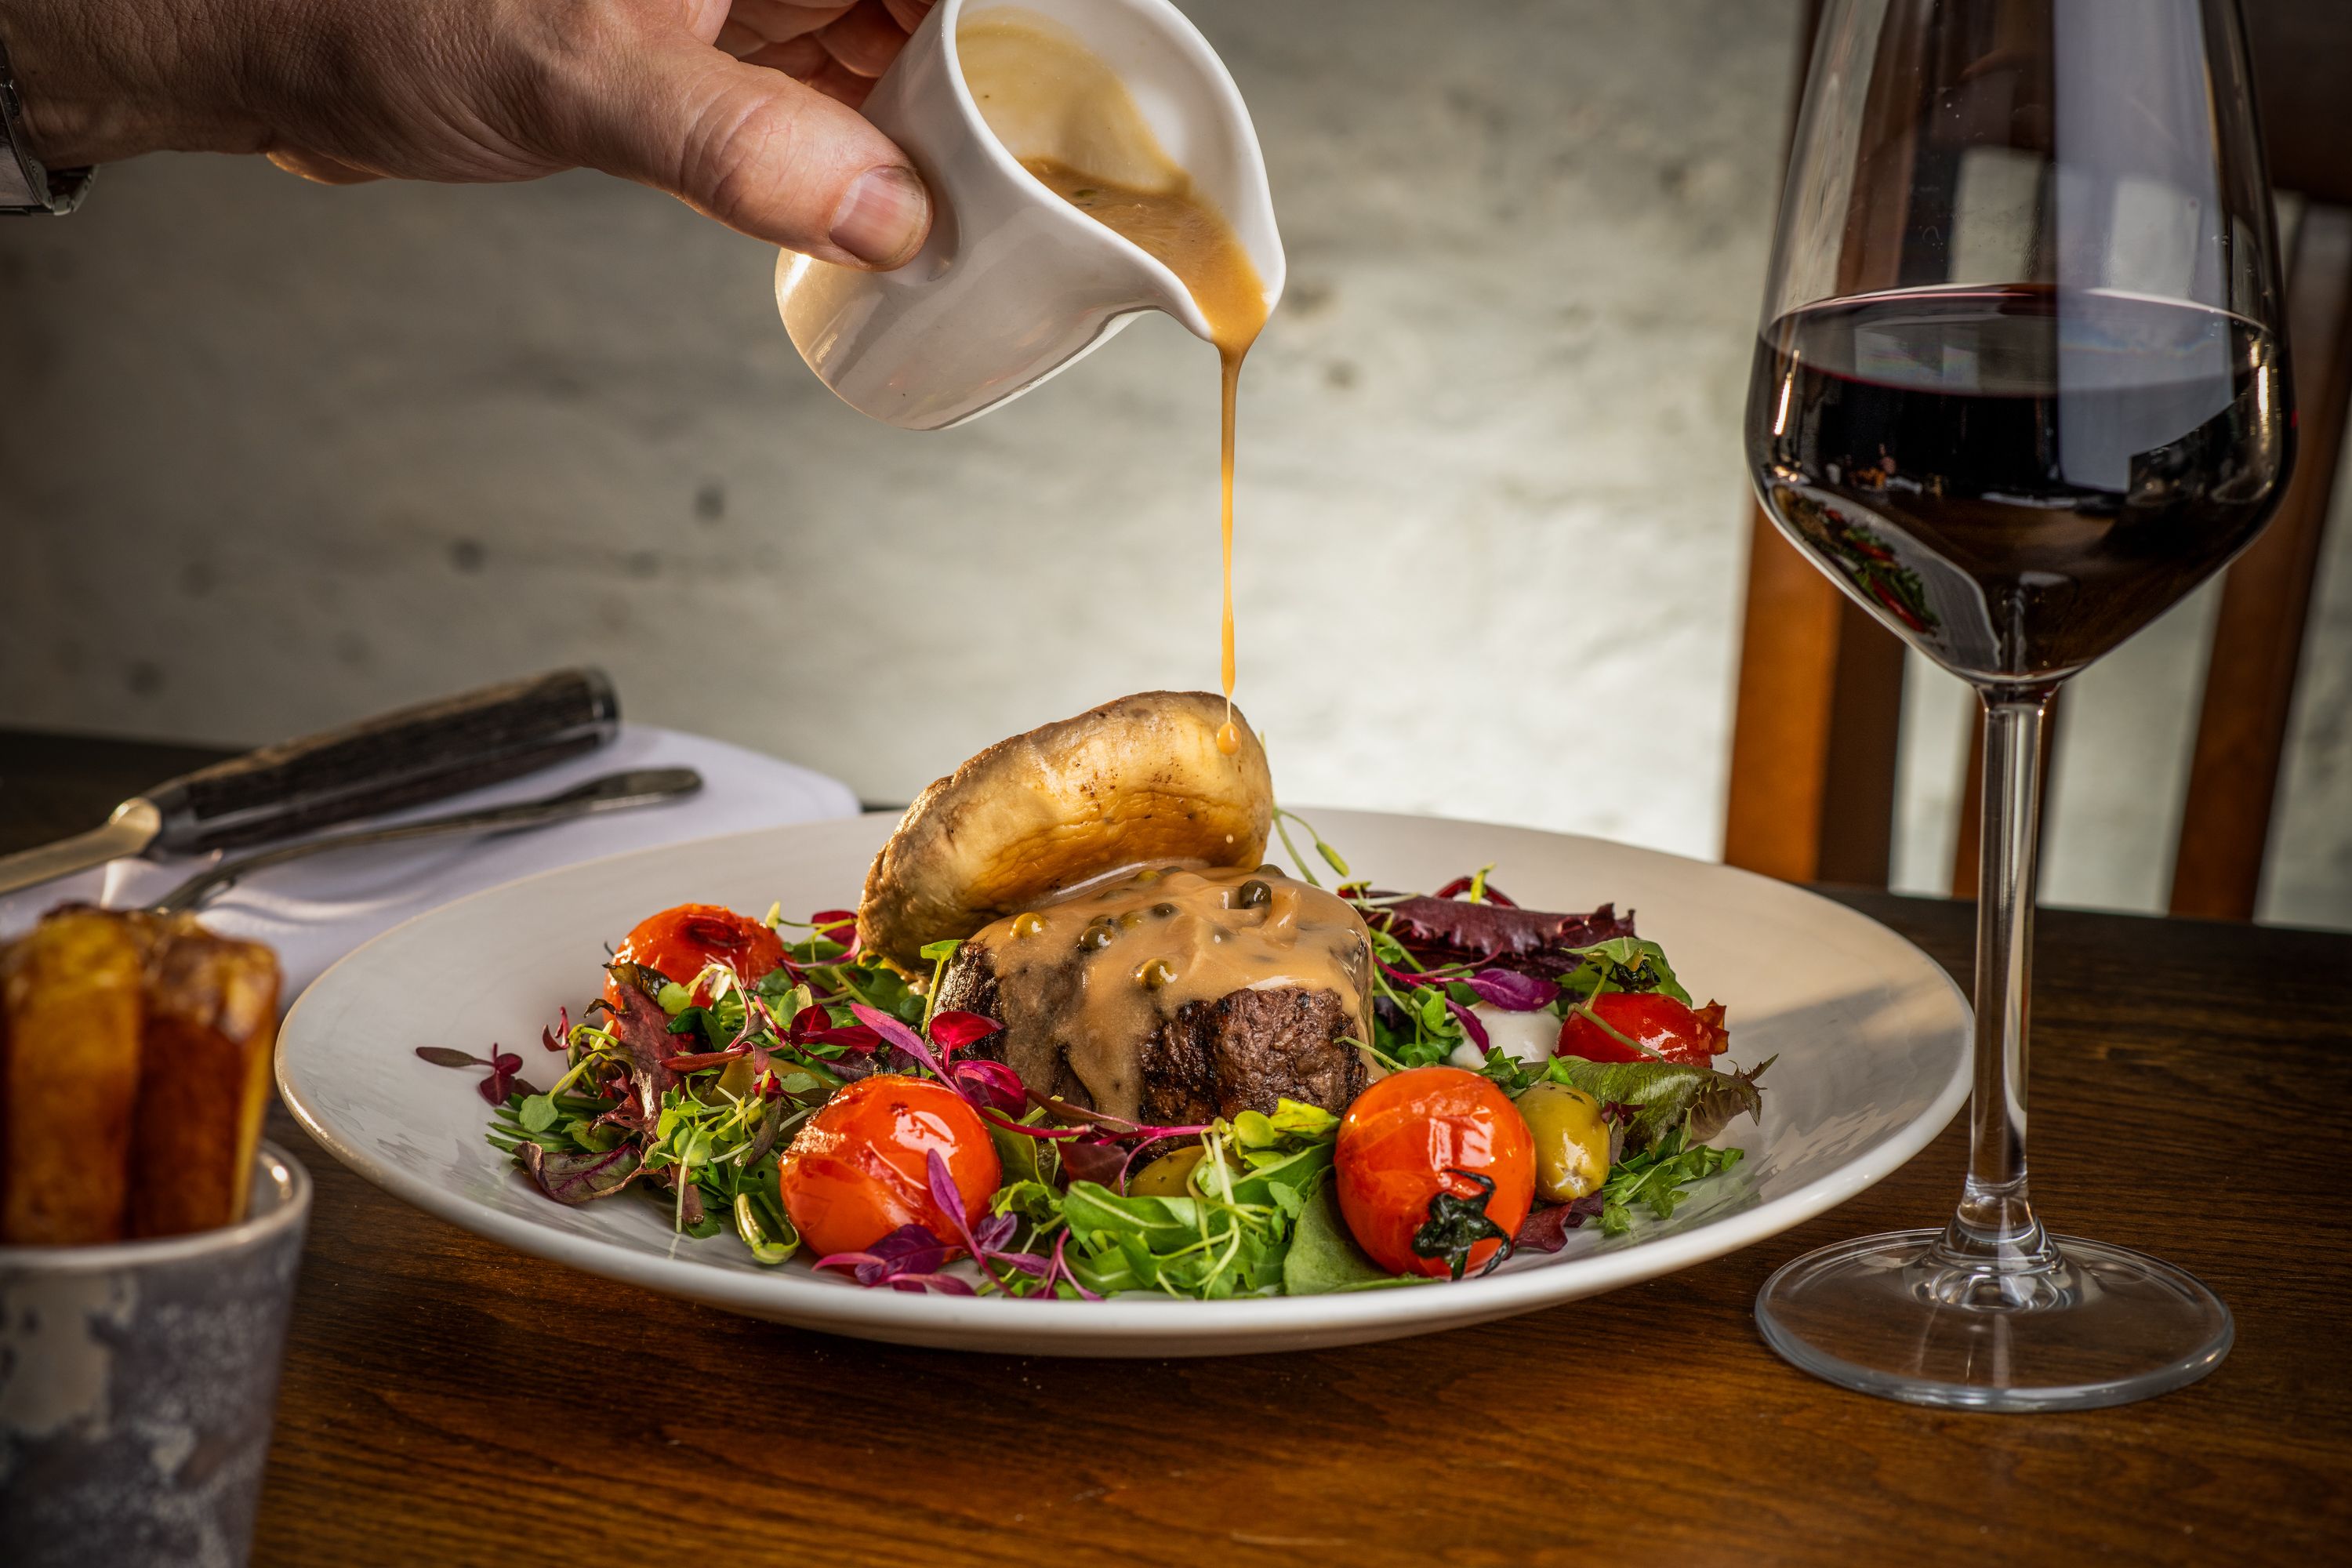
2019	386
2015	480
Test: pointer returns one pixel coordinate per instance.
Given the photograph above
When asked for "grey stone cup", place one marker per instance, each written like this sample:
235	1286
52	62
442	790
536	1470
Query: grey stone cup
137	1382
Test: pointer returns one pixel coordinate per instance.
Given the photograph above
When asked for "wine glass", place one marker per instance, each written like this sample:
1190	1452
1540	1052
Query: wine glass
2018	388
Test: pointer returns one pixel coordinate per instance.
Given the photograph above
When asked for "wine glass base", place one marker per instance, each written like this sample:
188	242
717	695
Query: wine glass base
1897	1316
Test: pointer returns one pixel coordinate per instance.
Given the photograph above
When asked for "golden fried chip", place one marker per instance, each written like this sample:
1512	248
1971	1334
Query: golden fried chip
203	1080
69	996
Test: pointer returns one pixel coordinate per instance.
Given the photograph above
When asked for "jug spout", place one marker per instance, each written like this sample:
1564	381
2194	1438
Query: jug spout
1014	283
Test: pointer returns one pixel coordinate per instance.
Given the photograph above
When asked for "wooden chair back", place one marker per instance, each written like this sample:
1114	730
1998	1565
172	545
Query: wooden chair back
1821	684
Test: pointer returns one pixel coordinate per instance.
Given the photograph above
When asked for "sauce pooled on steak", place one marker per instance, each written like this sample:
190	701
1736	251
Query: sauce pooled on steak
1174	994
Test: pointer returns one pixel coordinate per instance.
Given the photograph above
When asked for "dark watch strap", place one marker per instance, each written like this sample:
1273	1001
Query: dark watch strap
26	186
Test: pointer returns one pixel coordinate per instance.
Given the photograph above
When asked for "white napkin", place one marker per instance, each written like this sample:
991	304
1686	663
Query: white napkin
314	912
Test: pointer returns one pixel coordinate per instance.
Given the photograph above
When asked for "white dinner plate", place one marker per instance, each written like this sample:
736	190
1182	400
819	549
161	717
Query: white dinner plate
1872	1040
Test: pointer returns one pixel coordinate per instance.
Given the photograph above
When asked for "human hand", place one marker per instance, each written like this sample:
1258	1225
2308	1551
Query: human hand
745	111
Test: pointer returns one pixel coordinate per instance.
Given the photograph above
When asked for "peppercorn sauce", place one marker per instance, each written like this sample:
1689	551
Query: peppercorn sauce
1087	979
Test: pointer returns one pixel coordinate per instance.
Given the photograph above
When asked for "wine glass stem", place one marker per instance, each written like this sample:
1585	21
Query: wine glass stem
1995	1222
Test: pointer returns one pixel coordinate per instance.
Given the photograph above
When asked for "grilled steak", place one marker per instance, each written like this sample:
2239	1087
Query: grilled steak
1244	1051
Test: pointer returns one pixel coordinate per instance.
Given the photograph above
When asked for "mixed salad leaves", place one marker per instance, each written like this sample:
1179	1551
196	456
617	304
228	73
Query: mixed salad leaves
769	1078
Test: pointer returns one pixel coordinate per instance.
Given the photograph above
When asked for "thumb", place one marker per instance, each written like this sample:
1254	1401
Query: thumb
767	155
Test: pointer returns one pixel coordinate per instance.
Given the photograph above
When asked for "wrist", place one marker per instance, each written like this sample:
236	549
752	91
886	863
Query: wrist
98	80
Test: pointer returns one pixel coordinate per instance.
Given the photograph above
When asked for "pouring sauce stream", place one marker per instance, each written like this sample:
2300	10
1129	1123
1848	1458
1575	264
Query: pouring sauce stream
1037	87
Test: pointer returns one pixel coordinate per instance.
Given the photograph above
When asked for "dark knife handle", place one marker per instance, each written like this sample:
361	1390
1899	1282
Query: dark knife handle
403	758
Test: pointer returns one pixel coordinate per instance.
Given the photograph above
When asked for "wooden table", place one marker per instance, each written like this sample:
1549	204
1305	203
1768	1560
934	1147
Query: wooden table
448	1402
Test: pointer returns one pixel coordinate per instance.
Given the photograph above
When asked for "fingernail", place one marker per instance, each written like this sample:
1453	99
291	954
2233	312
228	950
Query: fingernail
884	219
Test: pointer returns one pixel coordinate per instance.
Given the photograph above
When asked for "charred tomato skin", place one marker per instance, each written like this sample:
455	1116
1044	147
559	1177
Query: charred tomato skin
1691	1036
1405	1140
858	1169
678	942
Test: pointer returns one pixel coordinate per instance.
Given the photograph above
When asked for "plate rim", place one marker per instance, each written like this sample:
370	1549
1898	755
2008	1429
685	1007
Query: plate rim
1133	1316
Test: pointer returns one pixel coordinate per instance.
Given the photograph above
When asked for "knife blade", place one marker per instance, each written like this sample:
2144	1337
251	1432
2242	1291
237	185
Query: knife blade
424	753
614	792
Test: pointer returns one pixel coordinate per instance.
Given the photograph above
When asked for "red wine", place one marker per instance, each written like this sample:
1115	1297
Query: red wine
2016	480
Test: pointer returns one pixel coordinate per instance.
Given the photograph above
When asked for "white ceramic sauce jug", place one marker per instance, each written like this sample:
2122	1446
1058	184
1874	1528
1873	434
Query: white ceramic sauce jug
1014	283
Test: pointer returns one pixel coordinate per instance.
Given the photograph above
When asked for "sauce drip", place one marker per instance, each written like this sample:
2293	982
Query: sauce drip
1038	88
1083	981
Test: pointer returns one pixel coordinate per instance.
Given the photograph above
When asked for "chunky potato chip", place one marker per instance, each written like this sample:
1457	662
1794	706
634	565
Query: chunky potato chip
69	1059
204	1079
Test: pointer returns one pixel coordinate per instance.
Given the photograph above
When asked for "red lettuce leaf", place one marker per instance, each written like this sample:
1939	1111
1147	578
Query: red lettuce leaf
1512	991
506	1070
990	1085
952	1029
986	1085
1440	931
642	1030
1117	1126
1471	1026
578	1178
814	1025
1547	1226
1102	1163
986	1243
696	1061
909	1258
910	1250
899	1038
1461	884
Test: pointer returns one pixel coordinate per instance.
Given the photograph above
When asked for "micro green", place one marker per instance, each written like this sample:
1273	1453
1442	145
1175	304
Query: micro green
690	1093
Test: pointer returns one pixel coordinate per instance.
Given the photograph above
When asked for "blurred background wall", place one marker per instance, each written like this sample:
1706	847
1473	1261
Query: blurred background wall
275	456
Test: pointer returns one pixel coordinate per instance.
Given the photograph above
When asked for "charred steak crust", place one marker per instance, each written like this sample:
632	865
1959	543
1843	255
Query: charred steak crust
1247	1050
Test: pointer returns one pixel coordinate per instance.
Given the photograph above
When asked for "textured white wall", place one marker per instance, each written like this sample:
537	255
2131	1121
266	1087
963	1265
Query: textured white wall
276	454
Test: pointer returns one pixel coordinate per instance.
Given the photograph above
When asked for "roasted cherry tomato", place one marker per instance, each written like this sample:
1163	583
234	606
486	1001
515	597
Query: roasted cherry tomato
858	1168
1437	1168
1687	1034
678	944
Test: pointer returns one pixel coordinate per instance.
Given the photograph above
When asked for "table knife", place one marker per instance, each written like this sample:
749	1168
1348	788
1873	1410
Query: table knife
407	757
614	792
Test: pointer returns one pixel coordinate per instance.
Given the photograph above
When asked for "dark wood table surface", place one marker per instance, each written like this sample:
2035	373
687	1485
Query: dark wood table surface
448	1402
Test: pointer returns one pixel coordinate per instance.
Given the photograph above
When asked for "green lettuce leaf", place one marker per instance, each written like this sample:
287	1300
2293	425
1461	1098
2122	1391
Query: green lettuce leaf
1324	1258
1666	1096
1229	1241
1093	1209
1283	1182
1291	1124
1021	1157
1657	1178
1263	1187
1624	963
